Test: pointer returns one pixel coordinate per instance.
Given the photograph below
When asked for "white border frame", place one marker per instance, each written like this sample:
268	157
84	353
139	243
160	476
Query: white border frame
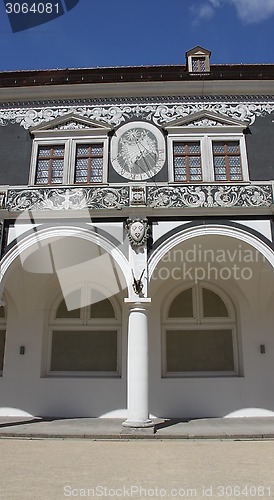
87	374
71	166
70	144
33	165
83	324
206	137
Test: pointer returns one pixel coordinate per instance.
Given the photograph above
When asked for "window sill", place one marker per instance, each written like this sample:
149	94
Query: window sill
82	375
199	377
208	183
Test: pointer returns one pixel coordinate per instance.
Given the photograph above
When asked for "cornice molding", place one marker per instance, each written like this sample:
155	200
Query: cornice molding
138	89
138	100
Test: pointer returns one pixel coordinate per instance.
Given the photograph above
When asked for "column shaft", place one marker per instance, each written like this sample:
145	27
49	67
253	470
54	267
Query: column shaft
137	383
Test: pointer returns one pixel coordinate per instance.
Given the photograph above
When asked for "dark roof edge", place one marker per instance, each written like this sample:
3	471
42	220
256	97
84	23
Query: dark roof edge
23	78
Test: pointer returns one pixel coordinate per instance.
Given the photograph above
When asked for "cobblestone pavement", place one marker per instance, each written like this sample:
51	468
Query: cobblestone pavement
56	469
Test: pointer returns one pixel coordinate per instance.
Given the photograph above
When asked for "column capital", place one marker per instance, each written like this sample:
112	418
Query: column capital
140	302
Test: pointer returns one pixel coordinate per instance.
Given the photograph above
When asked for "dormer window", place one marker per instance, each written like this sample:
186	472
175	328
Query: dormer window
198	60
198	64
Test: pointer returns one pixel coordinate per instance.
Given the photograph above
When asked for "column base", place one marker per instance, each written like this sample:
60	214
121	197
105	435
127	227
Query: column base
141	428
138	424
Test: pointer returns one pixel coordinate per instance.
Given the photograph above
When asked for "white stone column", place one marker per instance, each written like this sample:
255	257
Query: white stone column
137	362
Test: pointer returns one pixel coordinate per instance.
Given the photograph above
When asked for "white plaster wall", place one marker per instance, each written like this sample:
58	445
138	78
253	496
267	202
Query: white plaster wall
24	387
25	390
220	396
262	226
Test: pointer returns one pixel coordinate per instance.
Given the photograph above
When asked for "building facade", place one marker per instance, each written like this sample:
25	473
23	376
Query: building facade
137	241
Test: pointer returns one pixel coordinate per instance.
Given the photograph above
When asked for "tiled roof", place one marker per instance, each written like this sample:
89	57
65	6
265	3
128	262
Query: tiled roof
134	74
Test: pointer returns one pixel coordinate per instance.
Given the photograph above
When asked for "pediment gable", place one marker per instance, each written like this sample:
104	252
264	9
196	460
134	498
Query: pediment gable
205	119
198	51
71	121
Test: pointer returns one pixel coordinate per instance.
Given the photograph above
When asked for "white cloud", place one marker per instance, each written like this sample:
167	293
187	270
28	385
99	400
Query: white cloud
249	11
215	3
205	10
253	11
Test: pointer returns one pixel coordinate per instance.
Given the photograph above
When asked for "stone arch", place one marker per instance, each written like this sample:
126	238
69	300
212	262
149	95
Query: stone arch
31	242
210	229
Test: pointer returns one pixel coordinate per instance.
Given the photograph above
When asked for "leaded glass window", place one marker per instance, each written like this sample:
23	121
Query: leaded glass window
50	164
227	161
89	163
198	64
187	161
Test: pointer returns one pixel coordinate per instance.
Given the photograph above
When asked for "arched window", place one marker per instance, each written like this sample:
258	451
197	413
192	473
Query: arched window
200	333
84	340
2	337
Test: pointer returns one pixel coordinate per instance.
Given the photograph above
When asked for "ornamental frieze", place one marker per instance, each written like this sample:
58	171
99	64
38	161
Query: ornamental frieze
68	199
191	196
209	196
155	112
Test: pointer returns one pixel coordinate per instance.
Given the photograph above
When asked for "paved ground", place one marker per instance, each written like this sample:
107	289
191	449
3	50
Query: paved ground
56	469
97	428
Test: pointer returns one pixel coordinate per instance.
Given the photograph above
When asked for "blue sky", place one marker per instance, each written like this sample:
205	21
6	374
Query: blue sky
144	32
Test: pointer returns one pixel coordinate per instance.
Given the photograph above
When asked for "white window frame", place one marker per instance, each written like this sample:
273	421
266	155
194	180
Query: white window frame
70	144
206	139
198	322
84	323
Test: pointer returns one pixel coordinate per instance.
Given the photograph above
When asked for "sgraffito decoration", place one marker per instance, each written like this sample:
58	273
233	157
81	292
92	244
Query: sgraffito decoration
31	114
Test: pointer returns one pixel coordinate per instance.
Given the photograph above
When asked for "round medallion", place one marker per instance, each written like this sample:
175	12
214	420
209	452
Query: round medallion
138	151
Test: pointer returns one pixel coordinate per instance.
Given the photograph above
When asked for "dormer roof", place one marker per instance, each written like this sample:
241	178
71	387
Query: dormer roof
198	51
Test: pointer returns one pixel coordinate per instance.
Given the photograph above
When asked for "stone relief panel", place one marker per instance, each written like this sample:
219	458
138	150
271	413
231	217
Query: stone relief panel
68	199
191	196
210	196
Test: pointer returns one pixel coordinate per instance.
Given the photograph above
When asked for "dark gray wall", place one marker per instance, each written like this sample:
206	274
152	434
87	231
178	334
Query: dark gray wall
15	152
16	143
260	149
